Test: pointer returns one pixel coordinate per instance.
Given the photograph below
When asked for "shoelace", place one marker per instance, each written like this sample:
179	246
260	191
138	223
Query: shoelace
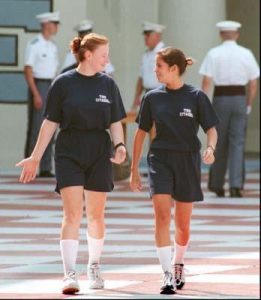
179	271
70	275
95	271
168	279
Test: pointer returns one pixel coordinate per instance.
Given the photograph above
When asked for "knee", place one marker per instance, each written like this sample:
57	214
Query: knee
183	229
95	219
163	219
73	218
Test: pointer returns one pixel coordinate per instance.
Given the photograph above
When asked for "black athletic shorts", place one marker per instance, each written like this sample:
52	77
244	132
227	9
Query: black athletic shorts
82	158
175	173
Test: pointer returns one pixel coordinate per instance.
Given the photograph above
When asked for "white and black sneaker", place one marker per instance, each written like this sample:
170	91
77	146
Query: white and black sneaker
168	286
94	277
70	284
179	275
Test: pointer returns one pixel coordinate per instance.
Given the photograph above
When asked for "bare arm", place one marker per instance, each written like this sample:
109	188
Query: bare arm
28	73
135	181
116	131
30	164
46	132
138	92
251	94
206	83
208	154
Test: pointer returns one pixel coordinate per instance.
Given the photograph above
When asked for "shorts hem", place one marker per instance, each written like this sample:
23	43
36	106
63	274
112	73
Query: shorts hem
179	199
187	200
59	187
161	192
103	190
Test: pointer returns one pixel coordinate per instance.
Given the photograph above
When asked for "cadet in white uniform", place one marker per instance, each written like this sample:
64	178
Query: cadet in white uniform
147	79
232	68
70	62
41	63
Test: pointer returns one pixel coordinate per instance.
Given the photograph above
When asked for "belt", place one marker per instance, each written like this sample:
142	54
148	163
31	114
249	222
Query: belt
229	90
43	79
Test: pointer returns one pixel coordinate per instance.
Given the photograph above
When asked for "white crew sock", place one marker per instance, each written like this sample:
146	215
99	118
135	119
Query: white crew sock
164	255
69	250
95	247
179	253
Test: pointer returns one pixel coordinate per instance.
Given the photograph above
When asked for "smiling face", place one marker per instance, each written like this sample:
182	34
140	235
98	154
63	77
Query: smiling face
99	58
164	72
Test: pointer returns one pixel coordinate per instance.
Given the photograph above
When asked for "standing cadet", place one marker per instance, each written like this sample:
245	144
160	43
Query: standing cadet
177	109
85	102
71	61
147	80
41	63
233	69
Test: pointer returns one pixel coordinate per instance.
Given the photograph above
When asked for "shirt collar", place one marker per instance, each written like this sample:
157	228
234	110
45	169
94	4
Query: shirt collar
229	42
42	39
158	47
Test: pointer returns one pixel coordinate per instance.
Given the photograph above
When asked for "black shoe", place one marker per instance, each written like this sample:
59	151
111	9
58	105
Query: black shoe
168	287
46	174
235	193
219	192
179	275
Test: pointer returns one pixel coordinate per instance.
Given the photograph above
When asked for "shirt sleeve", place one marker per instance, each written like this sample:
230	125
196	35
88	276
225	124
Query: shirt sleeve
53	111
207	116
253	72
141	73
56	59
207	66
144	118
117	109
30	55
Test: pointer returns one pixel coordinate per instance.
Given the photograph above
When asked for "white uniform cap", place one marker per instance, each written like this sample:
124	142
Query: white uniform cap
85	25
147	26
49	17
228	25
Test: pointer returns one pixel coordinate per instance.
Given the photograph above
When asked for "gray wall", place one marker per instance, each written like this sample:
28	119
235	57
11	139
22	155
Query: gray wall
190	26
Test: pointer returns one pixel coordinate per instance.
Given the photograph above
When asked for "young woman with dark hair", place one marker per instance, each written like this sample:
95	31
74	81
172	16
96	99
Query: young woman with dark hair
177	109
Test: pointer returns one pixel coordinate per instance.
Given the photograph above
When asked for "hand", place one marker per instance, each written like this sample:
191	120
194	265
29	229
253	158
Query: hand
135	182
208	156
249	109
119	156
30	166
38	103
135	104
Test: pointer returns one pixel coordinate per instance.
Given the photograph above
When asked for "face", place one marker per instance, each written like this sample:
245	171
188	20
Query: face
51	27
99	58
164	73
151	39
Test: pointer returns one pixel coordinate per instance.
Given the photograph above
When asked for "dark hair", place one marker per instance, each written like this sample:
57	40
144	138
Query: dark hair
90	41
173	56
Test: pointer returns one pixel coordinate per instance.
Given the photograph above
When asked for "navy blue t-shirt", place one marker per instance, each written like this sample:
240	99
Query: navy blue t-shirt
84	102
177	115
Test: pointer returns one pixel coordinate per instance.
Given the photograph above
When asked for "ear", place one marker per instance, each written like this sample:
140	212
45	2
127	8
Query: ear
88	55
173	68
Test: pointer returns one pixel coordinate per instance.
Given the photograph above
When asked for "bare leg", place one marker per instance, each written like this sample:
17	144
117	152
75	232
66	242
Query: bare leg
95	206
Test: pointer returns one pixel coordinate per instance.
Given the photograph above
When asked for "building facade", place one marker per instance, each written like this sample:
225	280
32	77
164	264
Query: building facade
190	26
